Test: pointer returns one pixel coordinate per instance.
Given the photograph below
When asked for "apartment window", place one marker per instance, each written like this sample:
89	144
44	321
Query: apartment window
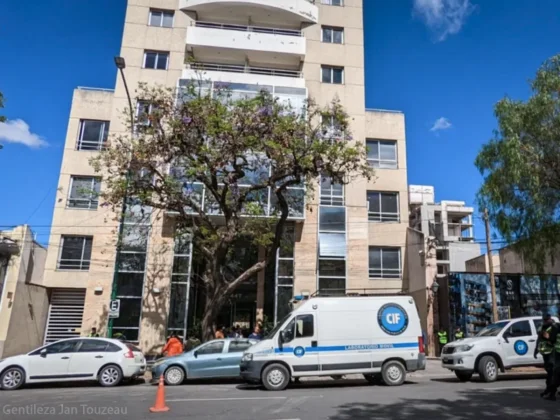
383	206
143	111
93	134
332	276
385	263
332	35
156	60
382	154
162	18
84	192
75	253
333	75
332	194
333	2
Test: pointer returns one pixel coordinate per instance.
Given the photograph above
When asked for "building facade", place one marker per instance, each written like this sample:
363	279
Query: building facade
348	237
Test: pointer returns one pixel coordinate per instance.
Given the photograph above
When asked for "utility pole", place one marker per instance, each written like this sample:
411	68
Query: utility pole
491	266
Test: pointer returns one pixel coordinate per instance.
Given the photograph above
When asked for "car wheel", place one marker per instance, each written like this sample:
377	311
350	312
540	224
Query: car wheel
373	378
393	373
174	375
275	377
110	376
463	376
488	369
12	378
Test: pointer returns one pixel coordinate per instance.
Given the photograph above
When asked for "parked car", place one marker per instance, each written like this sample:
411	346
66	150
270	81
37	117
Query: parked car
496	348
213	359
77	359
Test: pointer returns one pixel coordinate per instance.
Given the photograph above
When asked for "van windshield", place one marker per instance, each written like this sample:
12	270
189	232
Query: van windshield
273	332
492	330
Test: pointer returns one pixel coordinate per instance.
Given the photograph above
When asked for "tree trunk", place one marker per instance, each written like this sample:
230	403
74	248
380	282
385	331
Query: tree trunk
212	307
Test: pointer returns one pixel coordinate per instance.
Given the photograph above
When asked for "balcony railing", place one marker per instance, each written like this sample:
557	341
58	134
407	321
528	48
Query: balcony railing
243	28
232	68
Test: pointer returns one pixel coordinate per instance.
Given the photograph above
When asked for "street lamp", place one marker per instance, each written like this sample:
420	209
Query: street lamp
121	65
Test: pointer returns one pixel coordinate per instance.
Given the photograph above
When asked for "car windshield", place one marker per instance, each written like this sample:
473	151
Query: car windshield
492	330
273	332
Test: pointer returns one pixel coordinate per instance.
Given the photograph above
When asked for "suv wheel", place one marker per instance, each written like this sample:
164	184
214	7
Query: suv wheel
275	377
110	376
12	378
393	373
174	376
463	376
488	369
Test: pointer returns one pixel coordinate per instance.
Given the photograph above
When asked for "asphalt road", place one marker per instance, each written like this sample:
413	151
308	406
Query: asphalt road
425	396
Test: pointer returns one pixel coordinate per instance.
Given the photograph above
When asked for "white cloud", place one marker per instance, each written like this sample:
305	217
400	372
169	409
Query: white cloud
17	131
441	124
443	17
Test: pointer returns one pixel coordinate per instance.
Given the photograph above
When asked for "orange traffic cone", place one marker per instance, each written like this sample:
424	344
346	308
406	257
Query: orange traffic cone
160	406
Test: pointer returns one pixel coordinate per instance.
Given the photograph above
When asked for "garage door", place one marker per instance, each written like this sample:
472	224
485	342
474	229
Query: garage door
66	312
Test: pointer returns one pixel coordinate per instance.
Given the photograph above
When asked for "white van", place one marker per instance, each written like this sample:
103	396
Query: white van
498	347
379	337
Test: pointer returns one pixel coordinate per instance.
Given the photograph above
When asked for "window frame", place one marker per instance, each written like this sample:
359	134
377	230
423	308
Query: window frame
222	342
333	29
91	198
332	198
100	143
162	13
238	341
377	163
83	341
157	59
330	3
332	68
381	270
510	329
82	261
382	214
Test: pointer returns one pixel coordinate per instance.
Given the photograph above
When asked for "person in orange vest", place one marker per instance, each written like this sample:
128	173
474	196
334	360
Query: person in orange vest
173	347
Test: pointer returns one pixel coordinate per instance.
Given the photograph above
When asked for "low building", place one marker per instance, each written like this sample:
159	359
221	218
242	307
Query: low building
480	264
24	301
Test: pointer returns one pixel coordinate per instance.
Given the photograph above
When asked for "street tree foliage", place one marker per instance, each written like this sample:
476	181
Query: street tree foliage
521	169
211	162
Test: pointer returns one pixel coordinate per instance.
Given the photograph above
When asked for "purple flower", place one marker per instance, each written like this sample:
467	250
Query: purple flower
265	111
187	120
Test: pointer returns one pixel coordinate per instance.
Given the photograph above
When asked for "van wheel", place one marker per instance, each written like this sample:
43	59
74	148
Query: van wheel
393	373
374	378
463	376
488	369
275	377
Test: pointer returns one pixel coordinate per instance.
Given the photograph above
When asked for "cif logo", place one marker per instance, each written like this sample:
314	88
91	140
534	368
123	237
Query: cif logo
392	319
520	347
299	351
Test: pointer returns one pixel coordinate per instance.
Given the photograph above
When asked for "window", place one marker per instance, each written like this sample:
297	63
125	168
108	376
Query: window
332	219
112	348
84	192
332	194
333	2
93	134
332	276
382	154
538	324
334	75
519	329
211	348
332	35
383	206
156	60
75	253
384	263
143	111
67	346
239	346
93	346
162	18
304	326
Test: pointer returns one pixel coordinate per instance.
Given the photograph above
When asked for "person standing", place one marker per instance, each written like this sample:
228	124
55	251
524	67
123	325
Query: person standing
553	337
93	332
219	333
173	347
256	334
458	335
545	348
442	339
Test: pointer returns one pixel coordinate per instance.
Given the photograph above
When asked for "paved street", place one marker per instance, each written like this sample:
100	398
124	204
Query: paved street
430	395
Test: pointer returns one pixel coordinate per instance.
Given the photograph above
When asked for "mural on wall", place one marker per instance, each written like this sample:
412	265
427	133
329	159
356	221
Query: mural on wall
470	298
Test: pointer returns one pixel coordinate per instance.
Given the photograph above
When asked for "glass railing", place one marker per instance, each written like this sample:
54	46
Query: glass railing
244	28
232	68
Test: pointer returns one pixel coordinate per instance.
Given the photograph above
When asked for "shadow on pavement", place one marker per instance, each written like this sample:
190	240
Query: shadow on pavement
83	384
504	378
321	384
468	405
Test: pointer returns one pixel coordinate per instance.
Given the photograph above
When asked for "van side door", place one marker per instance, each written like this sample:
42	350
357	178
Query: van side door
520	344
299	344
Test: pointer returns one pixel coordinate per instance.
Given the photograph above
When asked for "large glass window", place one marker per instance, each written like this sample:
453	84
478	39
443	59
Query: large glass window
382	154
332	219
385	263
180	277
157	60
332	194
333	75
84	192
93	135
332	276
332	35
383	206
161	18
75	253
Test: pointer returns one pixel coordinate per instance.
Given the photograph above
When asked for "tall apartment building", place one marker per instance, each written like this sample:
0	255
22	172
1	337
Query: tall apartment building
348	237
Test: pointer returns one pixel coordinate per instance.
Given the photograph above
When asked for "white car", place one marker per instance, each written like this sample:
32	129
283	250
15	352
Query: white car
77	359
498	347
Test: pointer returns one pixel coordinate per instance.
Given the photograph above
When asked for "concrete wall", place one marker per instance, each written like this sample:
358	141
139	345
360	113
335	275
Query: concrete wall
460	252
480	264
511	262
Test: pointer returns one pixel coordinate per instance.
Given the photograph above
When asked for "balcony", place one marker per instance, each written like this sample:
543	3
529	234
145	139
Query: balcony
285	12
208	40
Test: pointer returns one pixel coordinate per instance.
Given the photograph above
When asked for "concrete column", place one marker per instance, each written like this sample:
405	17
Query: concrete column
260	289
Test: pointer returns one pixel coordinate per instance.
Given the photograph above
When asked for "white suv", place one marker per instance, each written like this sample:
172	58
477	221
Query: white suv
76	359
504	345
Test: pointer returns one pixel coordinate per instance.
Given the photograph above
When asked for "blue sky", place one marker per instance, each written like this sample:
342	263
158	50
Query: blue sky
444	63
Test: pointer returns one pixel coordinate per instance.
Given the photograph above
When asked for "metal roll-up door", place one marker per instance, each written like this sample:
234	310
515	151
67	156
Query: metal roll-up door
66	312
